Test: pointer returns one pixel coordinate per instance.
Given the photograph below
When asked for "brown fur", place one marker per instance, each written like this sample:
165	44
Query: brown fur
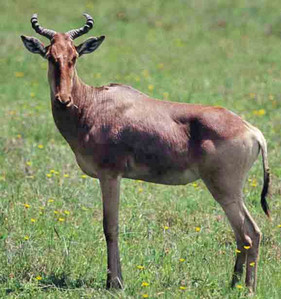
119	127
118	132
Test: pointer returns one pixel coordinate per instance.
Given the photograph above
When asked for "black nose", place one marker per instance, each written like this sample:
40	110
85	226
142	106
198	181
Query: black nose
63	100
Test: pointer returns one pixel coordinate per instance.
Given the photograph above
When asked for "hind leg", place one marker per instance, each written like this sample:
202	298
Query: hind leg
248	238
228	192
253	253
240	261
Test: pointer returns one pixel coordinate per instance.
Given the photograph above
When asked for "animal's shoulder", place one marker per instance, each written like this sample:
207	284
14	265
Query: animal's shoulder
122	90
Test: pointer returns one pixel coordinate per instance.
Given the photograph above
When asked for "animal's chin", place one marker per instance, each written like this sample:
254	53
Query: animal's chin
63	104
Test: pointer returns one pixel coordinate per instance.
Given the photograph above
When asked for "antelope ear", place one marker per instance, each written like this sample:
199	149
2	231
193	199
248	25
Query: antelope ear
90	45
34	45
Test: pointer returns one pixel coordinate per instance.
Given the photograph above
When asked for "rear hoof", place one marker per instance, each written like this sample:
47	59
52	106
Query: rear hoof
115	283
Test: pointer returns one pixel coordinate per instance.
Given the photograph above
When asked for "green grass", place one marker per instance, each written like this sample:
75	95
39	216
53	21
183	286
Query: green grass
206	52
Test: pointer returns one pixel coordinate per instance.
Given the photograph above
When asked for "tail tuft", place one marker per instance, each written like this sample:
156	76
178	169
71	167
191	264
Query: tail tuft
265	191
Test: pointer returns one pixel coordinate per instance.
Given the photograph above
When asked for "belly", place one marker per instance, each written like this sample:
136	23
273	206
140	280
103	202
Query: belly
168	177
135	171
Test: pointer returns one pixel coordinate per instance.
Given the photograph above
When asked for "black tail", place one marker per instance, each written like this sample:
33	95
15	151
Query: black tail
264	192
266	176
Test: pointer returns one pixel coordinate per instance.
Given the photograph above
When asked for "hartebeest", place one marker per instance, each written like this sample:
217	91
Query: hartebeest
118	132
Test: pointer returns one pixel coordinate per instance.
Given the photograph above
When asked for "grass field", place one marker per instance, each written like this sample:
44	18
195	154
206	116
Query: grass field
175	242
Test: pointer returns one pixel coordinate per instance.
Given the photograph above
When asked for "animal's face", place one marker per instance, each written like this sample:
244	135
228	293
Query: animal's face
61	55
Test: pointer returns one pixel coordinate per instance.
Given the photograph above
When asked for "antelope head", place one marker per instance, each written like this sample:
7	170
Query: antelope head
61	55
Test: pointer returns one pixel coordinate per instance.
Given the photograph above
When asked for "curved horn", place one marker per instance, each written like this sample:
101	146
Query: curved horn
39	29
78	32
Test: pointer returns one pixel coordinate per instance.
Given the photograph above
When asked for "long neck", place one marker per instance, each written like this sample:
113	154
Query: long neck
81	93
68	119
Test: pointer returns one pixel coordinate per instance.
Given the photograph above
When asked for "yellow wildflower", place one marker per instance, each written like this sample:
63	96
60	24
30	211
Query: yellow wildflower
56	212
66	212
259	112
19	136
40	146
66	175
32	94
252	264
166	227
145	284
239	286
52	171
33	220
237	251
140	190
247	247
279	225
61	219
182	288
195	185
38	277
254	183
28	163
26	205
150	87
145	296
181	260
140	267
26	238
50	200
19	74
197	229
83	176
48	175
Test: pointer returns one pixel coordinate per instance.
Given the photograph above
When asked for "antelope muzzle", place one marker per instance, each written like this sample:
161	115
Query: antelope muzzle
63	100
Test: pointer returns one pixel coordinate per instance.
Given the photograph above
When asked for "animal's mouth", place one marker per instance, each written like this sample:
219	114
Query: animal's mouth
63	101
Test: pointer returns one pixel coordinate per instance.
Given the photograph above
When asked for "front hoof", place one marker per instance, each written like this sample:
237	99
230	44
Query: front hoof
115	283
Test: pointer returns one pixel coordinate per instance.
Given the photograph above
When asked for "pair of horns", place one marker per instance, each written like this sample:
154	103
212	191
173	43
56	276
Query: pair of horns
74	33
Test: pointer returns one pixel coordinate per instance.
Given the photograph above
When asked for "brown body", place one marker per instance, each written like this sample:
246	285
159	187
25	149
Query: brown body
118	132
122	130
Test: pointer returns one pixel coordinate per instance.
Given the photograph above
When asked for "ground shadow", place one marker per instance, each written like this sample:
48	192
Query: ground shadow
64	281
60	281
